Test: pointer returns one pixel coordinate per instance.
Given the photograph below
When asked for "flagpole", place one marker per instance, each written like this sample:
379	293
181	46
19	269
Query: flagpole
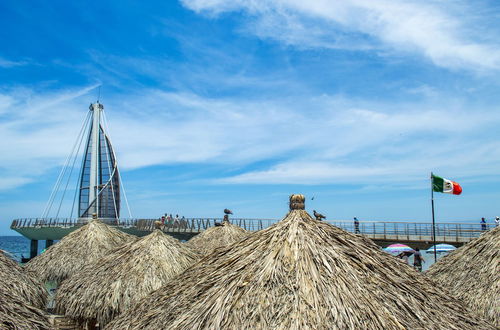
433	219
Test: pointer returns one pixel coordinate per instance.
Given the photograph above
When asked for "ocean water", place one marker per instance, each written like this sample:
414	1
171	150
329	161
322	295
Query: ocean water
18	246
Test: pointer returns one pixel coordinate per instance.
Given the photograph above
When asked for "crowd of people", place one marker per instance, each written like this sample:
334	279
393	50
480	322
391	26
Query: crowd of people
169	220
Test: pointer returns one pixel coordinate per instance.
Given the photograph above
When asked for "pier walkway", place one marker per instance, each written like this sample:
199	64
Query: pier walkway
382	232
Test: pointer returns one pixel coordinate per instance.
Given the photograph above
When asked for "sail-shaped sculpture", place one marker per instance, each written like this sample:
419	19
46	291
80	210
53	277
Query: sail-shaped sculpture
99	180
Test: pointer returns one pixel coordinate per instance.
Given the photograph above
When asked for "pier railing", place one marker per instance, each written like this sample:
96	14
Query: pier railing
452	232
191	224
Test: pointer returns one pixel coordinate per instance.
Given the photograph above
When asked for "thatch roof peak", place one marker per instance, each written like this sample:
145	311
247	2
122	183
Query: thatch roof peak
77	249
216	237
472	274
155	235
18	281
299	274
109	286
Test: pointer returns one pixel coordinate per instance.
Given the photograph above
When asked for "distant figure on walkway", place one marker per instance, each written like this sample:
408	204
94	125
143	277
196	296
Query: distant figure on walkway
318	216
483	224
497	221
356	225
418	260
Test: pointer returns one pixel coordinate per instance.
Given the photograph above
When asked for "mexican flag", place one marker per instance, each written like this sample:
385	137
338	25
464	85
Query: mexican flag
445	186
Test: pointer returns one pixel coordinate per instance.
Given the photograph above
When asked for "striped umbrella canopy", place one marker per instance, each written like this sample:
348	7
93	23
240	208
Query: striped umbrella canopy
398	248
440	248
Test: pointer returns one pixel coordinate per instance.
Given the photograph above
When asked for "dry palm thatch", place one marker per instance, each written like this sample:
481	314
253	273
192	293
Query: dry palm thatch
106	288
472	274
15	314
299	274
16	280
216	237
77	249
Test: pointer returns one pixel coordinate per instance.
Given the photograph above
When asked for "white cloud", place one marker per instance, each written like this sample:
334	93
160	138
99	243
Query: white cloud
306	140
398	168
7	183
437	30
4	63
186	128
335	140
38	131
6	102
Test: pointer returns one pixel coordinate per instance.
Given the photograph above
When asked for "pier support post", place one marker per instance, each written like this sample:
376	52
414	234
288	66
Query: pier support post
49	243
34	248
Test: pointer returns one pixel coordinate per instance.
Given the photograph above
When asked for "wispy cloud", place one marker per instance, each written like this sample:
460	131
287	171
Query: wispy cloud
438	31
306	139
4	63
408	168
38	130
366	146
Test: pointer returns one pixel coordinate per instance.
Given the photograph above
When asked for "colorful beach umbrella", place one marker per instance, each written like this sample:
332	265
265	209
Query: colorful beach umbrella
398	248
440	248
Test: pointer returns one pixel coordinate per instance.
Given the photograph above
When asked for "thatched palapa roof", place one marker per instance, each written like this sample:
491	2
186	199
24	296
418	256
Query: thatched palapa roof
76	250
299	274
15	279
216	237
106	288
472	273
16	314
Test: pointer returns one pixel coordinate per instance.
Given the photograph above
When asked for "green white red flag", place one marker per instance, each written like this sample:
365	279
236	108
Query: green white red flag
445	186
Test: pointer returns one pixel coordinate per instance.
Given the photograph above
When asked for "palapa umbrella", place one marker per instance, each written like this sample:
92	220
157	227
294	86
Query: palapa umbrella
17	281
398	248
76	250
216	237
472	274
15	314
441	248
109	286
298	274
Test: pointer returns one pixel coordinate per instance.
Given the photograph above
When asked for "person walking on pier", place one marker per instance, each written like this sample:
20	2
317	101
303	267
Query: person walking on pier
418	260
356	225
483	224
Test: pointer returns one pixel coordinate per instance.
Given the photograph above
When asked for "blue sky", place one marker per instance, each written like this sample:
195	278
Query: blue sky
217	103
